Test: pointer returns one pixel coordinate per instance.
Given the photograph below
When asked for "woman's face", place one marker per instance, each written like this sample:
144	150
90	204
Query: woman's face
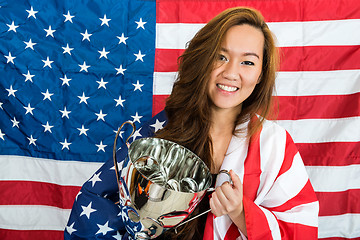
237	68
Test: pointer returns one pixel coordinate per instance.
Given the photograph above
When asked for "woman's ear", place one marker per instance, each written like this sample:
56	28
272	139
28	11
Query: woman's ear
259	79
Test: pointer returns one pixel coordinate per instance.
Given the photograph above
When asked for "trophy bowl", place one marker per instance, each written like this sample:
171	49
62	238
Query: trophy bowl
160	184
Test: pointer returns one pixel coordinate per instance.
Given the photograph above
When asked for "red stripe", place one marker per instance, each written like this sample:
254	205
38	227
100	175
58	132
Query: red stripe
337	203
320	58
297	231
340	238
252	167
310	58
37	193
256	222
166	59
330	154
302	107
232	233
6	234
158	103
317	107
170	11
209	227
290	152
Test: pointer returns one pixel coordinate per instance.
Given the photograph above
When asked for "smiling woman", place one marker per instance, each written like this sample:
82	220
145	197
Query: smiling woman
218	109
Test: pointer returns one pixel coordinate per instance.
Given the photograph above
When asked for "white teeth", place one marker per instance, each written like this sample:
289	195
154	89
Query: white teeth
227	88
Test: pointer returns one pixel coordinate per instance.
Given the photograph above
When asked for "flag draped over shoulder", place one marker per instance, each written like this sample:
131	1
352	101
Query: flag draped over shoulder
72	72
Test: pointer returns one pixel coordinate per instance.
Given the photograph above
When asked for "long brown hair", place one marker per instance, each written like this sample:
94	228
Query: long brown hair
188	106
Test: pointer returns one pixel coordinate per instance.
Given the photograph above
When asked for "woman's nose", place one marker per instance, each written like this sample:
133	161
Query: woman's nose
231	71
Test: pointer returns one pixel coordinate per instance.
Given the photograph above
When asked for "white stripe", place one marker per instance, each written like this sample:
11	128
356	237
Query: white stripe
288	34
272	150
318	83
323	130
288	185
33	217
346	226
163	82
72	173
273	223
334	178
305	214
317	33
289	83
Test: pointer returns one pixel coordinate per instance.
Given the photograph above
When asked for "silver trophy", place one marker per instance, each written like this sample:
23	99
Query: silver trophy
160	184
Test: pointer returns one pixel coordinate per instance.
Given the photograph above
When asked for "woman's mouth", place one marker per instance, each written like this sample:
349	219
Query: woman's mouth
227	88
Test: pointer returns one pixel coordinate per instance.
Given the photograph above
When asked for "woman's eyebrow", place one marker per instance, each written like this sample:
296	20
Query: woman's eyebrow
244	54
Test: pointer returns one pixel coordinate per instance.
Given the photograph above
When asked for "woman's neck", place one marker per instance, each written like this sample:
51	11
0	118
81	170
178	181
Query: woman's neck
223	121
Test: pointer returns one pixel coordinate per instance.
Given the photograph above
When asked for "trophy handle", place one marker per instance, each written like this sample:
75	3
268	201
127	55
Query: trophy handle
114	150
208	190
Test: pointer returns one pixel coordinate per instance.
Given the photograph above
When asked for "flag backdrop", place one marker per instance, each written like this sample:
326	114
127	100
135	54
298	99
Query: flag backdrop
72	71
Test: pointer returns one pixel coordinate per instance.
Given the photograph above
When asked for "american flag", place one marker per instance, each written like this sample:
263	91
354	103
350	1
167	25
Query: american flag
73	71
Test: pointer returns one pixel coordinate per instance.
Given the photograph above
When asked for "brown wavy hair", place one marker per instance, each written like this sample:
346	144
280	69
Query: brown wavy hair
188	106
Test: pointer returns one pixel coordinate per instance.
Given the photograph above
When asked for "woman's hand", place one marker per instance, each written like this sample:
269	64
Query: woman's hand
228	199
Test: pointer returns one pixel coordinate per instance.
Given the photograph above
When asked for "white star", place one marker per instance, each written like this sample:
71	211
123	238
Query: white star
87	210
140	24
83	130
102	83
136	134
11	91
65	80
77	195
103	229
30	44
157	125
95	178
32	140
103	53
12	27
32	12
120	134
119	101
65	144
137	86
83	98
49	31
15	123
122	39
139	56
10	58
47	127
120	70
84	67
136	117
1	105
118	236
28	76
29	109
105	21
100	116
2	135
67	49
47	95
101	146
70	229
65	113
68	17
47	62
86	35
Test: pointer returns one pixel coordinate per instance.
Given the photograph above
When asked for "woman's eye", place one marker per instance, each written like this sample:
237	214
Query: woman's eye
247	63
222	58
